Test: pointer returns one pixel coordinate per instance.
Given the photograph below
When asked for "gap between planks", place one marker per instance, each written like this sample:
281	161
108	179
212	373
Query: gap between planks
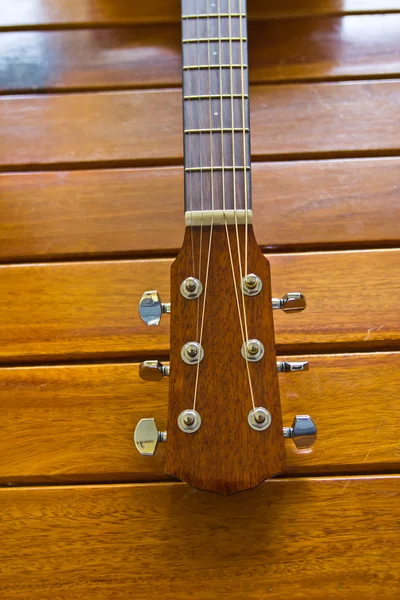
163	87
85	24
171	162
347	477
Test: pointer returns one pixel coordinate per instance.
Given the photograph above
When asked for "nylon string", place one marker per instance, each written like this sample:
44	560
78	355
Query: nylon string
212	203
243	323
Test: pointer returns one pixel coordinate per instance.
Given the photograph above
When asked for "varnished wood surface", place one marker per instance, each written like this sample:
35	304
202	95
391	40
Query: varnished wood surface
76	310
58	13
331	537
74	423
225	455
61	214
144	127
330	48
282	50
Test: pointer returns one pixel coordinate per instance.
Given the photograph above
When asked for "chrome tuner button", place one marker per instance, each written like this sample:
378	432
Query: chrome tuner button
151	308
191	288
303	432
147	436
251	284
252	350
290	302
153	370
189	421
291	366
259	418
192	353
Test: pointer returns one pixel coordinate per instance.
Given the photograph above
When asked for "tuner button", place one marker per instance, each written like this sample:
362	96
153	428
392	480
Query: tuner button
303	431
291	366
153	370
151	308
147	436
291	302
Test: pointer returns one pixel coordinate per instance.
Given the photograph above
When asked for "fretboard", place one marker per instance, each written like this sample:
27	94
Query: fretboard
216	106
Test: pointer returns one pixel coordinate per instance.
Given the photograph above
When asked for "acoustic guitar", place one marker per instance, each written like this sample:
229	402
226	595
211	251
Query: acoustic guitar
99	178
225	430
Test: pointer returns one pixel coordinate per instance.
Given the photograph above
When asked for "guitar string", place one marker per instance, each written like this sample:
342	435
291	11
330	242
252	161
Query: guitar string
190	116
246	198
244	329
223	190
212	207
201	166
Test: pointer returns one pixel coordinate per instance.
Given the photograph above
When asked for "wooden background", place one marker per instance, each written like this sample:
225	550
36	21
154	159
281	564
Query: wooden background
91	197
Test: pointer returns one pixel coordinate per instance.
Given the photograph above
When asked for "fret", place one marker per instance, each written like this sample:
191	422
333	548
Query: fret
218	130
218	168
197	67
214	39
214	16
216	96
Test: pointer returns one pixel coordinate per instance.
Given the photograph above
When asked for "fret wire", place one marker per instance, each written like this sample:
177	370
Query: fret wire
211	96
214	15
214	39
218	130
197	67
218	168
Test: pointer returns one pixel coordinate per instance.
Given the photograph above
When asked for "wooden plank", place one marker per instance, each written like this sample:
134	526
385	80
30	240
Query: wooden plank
53	13
145	127
300	49
310	538
111	212
76	310
75	423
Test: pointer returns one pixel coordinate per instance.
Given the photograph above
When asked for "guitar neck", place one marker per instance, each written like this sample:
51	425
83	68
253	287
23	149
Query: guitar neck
216	112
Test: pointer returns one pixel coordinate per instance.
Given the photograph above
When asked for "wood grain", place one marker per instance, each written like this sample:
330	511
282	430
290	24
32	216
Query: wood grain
111	212
77	310
57	13
225	455
299	49
335	537
74	423
144	127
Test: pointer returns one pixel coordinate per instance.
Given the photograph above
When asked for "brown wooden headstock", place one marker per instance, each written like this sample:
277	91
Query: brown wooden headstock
225	454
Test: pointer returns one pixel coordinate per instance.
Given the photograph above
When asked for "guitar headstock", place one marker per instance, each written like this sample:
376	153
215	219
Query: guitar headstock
225	430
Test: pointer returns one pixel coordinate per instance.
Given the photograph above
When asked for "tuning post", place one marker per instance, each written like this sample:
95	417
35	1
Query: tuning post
291	366
290	302
189	421
252	350
303	432
251	284
191	288
147	437
153	370
192	353
259	418
151	308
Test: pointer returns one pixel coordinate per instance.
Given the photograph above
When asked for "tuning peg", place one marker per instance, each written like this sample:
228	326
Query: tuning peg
153	370
151	308
289	366
303	431
291	302
147	436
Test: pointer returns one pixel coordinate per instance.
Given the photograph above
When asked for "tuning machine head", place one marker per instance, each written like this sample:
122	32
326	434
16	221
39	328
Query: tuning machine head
147	436
151	308
303	432
290	302
292	366
153	370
